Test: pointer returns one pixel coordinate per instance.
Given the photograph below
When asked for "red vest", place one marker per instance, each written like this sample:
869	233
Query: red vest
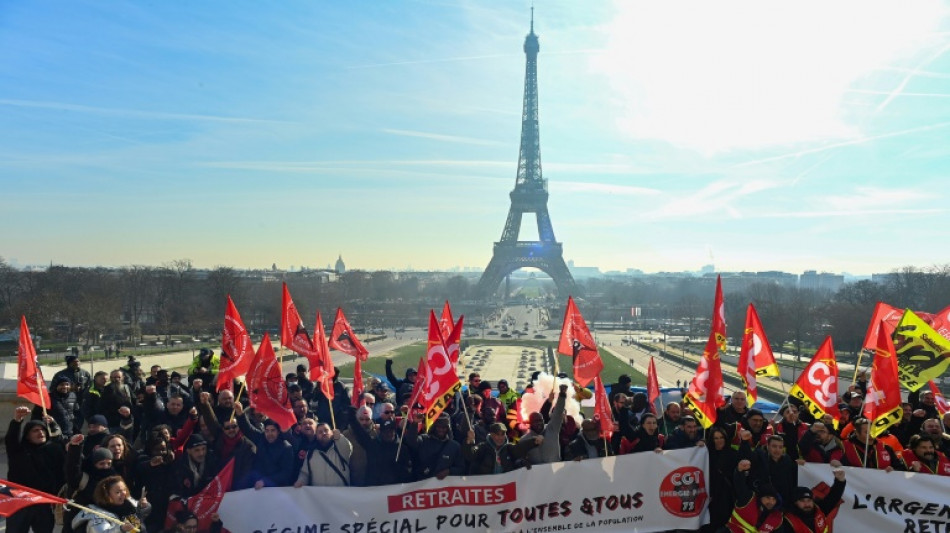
744	518
943	464
855	456
821	525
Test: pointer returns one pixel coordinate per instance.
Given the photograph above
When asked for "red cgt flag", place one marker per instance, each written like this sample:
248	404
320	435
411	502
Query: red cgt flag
882	405
30	383
602	409
653	385
441	381
322	372
14	497
205	503
343	339
357	383
266	388
705	393
577	342
446	323
943	406
817	386
236	348
452	342
884	316
293	334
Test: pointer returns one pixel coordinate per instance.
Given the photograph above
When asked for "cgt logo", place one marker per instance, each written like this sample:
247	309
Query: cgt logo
683	492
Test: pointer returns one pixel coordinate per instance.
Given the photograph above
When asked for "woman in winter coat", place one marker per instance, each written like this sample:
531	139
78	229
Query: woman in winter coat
723	460
112	499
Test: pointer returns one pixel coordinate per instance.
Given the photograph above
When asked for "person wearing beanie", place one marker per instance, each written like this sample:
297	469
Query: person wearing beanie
64	406
194	469
806	514
82	475
36	461
760	510
495	455
79	379
438	454
753	432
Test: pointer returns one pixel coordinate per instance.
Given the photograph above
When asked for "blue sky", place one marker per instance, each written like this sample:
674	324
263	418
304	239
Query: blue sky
755	136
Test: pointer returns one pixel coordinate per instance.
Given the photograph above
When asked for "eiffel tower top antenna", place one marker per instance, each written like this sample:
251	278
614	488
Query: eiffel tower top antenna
532	17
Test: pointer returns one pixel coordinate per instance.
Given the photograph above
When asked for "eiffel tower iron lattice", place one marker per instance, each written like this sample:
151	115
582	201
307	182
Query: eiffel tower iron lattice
530	195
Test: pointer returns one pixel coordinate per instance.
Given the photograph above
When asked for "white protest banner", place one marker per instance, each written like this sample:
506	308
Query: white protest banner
885	502
639	492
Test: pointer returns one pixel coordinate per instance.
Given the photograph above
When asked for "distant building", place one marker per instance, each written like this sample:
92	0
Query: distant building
583	272
340	266
884	279
825	281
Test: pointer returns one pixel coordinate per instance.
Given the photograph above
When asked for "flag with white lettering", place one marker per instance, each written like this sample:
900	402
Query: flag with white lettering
817	386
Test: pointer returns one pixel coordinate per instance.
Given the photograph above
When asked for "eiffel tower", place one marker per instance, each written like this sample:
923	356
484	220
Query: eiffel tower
530	195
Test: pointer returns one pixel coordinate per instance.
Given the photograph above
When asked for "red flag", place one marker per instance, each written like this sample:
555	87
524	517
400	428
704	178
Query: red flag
943	406
705	393
441	381
236	348
883	314
817	387
453	340
755	355
653	385
417	387
577	342
446	322
322	372
206	502
357	383
882	405
343	339
266	388
602	409
14	497
30	383
293	334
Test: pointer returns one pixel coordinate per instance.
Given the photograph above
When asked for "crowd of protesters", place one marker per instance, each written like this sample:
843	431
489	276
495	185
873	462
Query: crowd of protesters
131	443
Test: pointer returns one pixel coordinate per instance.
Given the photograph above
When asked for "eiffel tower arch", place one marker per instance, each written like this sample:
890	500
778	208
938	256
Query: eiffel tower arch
530	195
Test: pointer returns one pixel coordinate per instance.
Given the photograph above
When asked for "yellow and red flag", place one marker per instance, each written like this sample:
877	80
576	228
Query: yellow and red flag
705	394
452	341
266	388
653	385
293	335
755	356
923	354
882	404
30	383
577	342
441	381
817	387
236	348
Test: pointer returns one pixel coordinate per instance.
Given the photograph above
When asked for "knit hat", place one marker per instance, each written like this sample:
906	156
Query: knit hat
765	490
70	358
195	440
801	493
100	454
99	420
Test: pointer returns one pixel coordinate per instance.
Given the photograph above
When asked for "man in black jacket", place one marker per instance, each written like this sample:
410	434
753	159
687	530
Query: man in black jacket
35	461
438	454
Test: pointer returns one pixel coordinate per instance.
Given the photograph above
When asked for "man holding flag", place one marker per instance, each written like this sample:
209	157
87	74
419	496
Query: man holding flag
35	461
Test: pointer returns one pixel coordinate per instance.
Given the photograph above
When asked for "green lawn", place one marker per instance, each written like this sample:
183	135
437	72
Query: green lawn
408	356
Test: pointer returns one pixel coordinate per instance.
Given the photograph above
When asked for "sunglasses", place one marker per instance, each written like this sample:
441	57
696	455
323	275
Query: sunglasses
389	412
231	426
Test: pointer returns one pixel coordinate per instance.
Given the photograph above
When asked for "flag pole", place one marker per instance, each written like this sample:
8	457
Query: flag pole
238	397
100	514
405	422
857	366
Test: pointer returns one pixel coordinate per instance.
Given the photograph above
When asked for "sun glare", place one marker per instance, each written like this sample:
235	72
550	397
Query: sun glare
714	76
